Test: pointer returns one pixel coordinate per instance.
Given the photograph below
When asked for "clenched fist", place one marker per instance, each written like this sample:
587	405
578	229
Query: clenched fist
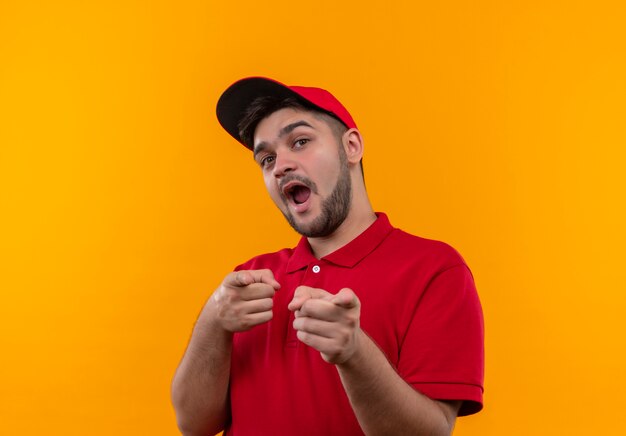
244	299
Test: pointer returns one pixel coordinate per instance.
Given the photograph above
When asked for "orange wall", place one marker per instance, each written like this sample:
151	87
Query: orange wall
498	127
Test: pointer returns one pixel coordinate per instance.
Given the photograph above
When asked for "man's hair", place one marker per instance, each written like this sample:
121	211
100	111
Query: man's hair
263	107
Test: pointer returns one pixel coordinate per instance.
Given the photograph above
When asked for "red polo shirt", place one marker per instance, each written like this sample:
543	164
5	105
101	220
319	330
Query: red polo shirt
418	303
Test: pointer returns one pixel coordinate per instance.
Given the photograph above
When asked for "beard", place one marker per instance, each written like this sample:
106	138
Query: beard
335	207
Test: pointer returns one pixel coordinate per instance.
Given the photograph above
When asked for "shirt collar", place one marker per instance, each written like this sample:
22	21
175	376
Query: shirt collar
348	255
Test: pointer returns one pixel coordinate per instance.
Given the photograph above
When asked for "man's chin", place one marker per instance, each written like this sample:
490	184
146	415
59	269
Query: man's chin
312	227
301	224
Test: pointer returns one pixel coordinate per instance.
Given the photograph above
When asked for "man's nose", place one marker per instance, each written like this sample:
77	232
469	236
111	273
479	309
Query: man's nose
283	165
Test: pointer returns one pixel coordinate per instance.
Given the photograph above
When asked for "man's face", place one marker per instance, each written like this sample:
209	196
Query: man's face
305	170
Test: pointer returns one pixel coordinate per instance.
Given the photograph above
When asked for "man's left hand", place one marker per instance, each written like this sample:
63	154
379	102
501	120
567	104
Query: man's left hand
329	323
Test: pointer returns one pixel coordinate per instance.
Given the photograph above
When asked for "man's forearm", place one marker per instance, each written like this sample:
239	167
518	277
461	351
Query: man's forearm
200	386
384	403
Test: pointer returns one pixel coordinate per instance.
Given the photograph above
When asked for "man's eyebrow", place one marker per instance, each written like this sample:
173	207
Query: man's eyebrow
290	127
258	148
284	131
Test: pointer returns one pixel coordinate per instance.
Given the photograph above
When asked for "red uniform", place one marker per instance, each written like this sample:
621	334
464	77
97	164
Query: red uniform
418	303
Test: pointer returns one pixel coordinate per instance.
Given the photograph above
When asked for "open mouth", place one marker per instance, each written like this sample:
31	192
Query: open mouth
297	194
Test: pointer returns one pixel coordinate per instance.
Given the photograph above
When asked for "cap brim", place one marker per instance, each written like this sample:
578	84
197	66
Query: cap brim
232	105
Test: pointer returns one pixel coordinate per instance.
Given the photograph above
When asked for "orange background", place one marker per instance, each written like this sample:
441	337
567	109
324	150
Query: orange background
498	127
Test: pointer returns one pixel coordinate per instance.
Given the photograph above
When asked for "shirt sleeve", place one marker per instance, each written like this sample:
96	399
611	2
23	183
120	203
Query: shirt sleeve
442	354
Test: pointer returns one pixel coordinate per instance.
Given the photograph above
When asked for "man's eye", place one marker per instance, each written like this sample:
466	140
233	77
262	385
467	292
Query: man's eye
300	142
267	160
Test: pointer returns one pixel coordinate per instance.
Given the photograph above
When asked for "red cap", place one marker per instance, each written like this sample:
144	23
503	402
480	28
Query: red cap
232	105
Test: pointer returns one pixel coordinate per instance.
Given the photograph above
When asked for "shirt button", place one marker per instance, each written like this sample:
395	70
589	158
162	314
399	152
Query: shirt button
316	269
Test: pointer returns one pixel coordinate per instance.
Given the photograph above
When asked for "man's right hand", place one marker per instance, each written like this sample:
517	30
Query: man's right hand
200	386
244	299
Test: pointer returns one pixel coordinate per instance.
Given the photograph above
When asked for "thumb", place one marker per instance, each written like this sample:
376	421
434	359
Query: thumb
303	293
346	298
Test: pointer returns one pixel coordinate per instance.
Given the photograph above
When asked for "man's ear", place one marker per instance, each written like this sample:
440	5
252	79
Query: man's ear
353	145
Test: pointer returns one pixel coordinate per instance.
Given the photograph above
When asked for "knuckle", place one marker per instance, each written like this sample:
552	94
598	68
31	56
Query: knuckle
345	340
242	278
340	338
231	298
232	278
268	291
334	350
305	323
227	292
303	336
303	308
245	324
329	358
224	296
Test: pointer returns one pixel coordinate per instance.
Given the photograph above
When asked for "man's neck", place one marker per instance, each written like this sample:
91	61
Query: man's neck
353	226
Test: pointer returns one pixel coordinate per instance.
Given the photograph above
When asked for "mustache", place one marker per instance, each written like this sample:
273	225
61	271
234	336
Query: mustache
304	180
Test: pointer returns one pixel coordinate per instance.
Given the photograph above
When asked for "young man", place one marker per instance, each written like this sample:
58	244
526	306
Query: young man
361	328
